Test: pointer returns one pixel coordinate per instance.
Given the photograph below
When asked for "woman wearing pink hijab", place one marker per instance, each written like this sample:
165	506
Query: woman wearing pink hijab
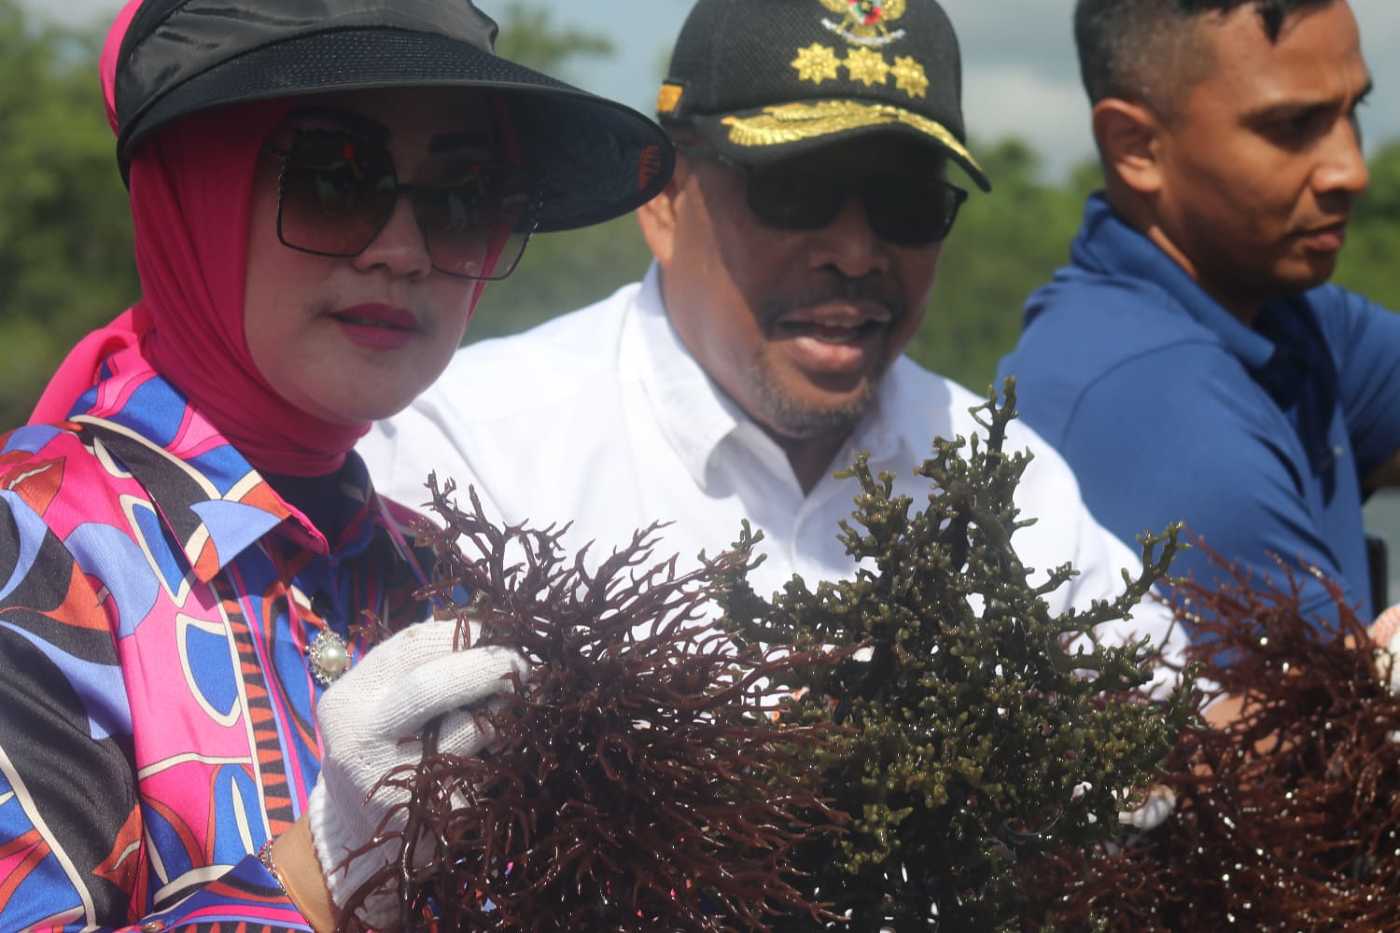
188	543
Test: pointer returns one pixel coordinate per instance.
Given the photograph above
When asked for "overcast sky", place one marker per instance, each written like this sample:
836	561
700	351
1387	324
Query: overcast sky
1021	77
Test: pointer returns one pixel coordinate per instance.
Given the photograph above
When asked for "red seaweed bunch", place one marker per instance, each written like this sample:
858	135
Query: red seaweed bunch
640	781
1288	819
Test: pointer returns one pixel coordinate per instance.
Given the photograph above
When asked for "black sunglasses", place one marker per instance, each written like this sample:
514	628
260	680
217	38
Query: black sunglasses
906	209
338	189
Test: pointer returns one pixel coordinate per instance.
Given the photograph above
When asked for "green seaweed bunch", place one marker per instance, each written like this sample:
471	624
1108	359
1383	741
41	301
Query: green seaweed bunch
980	730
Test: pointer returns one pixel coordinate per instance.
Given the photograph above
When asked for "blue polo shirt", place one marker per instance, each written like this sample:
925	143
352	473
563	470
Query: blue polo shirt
1169	409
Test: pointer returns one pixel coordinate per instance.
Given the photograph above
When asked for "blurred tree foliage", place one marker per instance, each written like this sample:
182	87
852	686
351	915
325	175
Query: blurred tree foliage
529	36
65	244
1005	245
1373	241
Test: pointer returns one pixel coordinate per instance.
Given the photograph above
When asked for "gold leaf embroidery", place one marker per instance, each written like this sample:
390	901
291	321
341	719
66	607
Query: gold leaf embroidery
817	63
910	77
867	66
790	123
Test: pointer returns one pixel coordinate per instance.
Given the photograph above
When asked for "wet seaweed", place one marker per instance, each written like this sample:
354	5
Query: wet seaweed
981	730
641	780
1289	817
901	750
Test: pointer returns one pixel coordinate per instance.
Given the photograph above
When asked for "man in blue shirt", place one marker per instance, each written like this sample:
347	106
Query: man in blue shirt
1190	363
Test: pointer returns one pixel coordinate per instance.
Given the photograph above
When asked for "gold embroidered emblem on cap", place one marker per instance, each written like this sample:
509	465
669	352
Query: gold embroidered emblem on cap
791	123
866	22
910	77
817	63
867	67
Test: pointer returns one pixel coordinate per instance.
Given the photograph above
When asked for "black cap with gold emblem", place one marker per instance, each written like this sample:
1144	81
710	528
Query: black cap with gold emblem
761	80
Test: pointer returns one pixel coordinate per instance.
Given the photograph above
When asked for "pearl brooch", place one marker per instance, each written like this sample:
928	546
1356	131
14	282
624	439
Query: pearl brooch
330	657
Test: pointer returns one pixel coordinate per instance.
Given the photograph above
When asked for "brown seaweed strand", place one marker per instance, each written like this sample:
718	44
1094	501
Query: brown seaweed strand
1287	820
639	781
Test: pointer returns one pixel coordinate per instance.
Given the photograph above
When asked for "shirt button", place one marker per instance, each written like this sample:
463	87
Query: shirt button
152	926
321	605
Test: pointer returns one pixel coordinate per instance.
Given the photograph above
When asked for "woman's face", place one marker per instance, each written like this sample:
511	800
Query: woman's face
356	338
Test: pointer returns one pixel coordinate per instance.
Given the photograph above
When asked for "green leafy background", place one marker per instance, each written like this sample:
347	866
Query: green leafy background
65	242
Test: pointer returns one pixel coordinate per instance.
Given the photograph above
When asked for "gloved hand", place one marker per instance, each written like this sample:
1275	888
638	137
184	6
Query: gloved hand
1154	811
366	718
1388	664
1160	804
1385	632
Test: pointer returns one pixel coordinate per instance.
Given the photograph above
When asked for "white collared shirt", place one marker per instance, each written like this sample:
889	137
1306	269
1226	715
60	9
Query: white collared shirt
603	419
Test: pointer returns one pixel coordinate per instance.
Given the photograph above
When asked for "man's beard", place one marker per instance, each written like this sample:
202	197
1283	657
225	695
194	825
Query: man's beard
792	418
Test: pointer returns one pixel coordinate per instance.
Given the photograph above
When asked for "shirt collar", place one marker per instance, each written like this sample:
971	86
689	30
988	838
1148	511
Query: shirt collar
1107	244
693	413
902	400
212	501
697	417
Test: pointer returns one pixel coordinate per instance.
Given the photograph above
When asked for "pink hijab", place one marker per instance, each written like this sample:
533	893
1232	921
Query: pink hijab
191	186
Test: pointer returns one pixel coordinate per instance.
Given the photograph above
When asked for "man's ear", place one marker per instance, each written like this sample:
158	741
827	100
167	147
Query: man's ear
658	217
1129	136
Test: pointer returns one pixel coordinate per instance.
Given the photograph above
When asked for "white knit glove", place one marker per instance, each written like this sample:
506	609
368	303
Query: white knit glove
1385	633
1388	664
370	720
1160	804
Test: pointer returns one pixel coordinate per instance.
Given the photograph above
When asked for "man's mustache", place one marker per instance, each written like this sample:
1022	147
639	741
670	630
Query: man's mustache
835	288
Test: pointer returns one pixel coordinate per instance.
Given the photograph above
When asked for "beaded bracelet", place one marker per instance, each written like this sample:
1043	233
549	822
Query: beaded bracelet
265	856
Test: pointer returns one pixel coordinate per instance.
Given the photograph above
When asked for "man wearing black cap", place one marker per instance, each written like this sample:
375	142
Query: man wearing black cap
795	250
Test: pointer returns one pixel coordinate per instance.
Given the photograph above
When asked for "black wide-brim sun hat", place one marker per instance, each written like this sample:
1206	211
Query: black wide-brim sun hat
591	159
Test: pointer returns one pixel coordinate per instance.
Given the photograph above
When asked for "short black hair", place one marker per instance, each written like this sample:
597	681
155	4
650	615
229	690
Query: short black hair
1142	50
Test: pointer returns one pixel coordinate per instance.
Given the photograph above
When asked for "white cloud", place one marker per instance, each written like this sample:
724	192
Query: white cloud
1013	100
1037	34
1021	75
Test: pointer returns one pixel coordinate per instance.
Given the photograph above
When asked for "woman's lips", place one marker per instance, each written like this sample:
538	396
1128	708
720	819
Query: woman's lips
377	326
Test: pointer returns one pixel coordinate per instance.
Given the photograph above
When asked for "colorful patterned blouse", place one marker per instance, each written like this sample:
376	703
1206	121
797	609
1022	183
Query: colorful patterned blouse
157	598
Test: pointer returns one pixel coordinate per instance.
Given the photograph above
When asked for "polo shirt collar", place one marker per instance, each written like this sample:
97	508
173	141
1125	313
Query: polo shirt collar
1107	244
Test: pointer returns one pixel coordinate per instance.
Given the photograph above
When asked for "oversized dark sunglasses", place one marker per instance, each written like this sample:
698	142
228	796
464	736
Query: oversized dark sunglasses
906	209
338	191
